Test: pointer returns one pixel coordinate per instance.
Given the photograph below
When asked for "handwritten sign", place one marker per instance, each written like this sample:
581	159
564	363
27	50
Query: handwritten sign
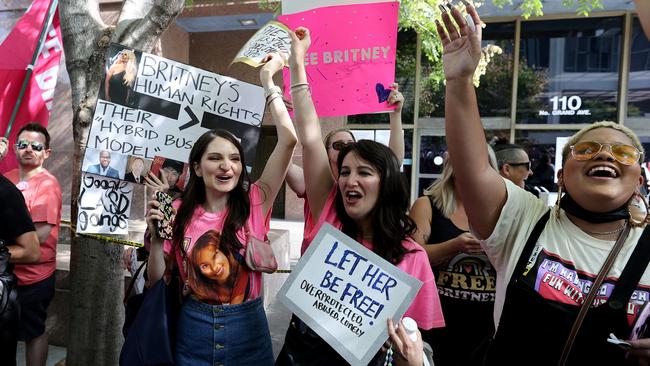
164	106
272	37
104	205
346	293
351	60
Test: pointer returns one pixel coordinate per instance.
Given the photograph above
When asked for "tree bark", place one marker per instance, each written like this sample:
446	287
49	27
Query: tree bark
96	274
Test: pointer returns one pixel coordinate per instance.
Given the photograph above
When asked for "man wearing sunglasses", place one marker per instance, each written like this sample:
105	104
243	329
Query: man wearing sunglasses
513	163
42	194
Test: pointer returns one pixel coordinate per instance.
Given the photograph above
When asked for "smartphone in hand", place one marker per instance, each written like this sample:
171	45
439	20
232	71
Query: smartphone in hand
164	226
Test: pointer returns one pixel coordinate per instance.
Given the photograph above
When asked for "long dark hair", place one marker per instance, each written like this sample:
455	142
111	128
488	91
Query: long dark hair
194	195
390	221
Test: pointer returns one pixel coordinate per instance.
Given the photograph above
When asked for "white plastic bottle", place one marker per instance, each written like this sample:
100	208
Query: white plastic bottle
410	326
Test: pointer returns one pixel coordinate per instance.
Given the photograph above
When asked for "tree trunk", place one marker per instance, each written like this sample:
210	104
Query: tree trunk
96	275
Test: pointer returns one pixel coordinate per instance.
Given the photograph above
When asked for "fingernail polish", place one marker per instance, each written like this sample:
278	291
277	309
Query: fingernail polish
451	7
465	3
442	8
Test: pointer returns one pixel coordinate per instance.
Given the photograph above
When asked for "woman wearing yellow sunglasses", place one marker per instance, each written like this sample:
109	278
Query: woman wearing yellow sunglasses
550	262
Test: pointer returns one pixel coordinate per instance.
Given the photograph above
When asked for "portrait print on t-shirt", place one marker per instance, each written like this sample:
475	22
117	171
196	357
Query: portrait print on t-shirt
216	273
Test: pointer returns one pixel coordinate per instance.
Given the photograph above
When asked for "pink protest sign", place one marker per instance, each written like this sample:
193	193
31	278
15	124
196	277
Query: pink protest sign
351	61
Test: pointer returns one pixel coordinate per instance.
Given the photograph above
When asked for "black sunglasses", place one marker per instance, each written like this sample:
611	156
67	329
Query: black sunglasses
36	146
526	164
339	145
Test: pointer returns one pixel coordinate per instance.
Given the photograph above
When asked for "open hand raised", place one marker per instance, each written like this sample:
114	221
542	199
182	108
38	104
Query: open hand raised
461	45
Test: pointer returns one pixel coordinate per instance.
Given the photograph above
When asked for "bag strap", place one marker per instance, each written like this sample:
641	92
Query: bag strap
129	289
592	294
524	257
632	273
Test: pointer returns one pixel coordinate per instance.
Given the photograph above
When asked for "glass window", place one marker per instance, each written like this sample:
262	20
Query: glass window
432	150
494	93
638	97
569	70
542	148
495	89
404	76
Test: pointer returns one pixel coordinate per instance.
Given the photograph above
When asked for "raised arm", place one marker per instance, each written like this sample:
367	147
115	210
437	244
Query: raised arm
483	190
275	170
318	177
396	139
296	180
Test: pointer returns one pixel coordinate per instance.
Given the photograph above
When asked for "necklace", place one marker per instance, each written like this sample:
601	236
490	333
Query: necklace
615	231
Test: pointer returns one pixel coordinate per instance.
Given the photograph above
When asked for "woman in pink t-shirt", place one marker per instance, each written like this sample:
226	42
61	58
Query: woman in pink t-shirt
368	201
222	321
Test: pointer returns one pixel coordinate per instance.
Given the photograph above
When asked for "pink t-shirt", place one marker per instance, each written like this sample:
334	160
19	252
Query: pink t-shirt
203	270
425	308
42	194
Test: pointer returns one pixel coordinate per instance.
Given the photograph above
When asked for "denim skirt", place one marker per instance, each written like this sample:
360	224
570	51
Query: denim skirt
223	334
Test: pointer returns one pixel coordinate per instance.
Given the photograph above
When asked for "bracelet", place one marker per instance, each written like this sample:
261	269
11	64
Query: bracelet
273	89
299	85
272	97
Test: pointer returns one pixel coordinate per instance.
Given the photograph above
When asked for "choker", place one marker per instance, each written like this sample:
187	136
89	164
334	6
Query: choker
569	205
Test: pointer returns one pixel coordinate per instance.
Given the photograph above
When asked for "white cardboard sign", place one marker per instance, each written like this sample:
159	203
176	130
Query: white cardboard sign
104	205
272	37
168	105
346	293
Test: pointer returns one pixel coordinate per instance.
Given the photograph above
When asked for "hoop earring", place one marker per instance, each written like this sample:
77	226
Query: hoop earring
638	209
557	202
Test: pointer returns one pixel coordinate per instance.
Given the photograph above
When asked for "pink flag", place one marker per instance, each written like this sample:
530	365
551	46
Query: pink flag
16	53
351	62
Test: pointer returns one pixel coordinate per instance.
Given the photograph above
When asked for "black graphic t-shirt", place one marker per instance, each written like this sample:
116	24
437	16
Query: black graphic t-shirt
466	285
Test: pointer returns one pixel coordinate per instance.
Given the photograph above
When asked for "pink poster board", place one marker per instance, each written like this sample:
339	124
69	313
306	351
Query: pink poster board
351	62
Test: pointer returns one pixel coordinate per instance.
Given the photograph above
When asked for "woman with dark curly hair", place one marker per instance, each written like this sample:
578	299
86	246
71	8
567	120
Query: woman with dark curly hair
368	201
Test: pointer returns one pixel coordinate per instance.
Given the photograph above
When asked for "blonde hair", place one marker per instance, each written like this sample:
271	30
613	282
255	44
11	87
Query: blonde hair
131	69
442	191
603	124
329	135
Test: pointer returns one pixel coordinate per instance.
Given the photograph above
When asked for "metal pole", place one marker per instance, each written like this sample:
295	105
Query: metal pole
30	67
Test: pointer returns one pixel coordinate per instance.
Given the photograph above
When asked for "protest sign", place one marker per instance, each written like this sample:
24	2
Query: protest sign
272	37
351	61
346	293
104	205
151	106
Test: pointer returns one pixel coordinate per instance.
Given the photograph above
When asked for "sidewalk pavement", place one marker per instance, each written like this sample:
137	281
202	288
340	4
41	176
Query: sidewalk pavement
277	314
